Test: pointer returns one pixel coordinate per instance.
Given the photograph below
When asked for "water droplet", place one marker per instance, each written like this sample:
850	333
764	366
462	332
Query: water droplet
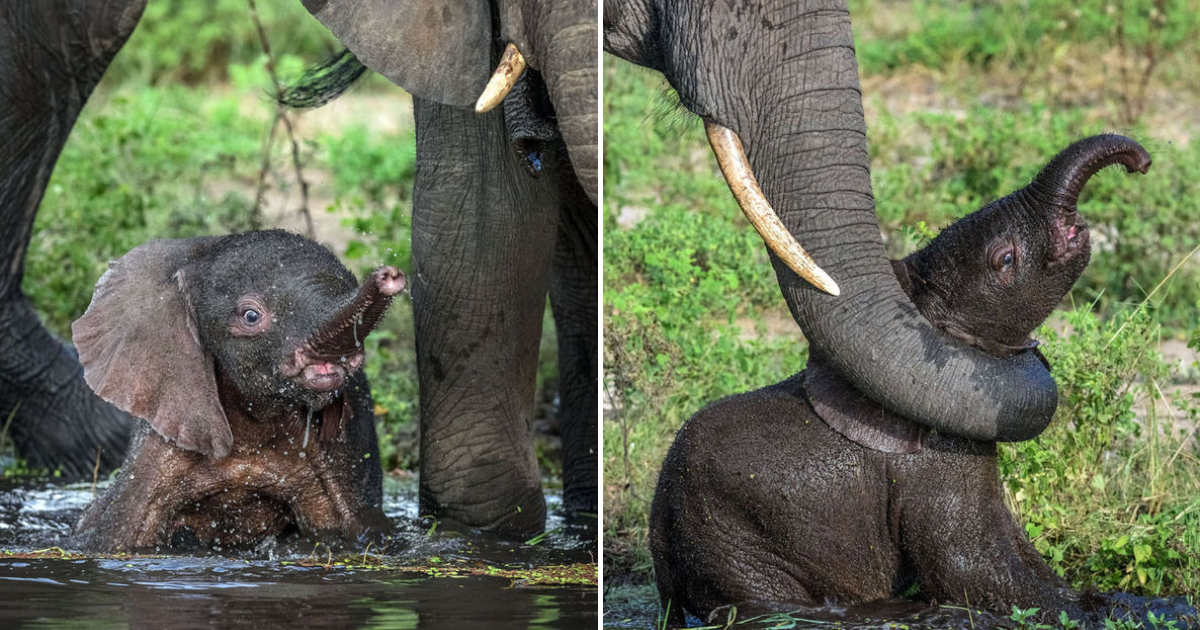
307	423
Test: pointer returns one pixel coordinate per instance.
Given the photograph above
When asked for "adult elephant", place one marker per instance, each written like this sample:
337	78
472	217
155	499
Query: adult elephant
776	82
503	213
503	209
52	54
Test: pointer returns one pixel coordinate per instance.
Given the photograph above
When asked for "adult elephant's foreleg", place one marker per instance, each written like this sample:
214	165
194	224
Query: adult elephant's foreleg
483	241
55	420
52	54
573	296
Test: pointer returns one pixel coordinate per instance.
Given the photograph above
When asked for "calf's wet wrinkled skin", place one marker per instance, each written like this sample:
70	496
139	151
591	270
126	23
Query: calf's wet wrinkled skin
241	358
807	493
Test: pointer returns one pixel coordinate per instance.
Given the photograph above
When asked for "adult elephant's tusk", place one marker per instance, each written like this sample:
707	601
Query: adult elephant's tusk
512	64
736	169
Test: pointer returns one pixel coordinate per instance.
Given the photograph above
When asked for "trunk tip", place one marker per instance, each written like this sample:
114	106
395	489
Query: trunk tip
390	280
1126	151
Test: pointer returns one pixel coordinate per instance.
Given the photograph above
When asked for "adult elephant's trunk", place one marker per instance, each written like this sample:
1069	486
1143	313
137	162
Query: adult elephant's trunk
783	77
571	81
563	34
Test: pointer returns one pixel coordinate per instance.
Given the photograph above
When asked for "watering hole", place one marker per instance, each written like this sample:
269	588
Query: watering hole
423	577
631	605
635	606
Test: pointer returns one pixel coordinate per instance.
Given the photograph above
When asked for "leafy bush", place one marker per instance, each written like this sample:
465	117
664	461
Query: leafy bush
1108	492
178	41
134	169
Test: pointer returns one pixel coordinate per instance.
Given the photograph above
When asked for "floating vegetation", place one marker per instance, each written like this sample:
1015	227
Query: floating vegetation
521	575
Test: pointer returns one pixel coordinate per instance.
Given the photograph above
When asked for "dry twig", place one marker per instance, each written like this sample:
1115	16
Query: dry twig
281	115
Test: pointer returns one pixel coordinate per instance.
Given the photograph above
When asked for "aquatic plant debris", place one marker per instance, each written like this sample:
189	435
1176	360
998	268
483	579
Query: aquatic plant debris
582	574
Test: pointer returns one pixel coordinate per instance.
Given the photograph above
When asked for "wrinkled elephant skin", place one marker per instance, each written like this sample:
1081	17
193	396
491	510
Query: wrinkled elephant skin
504	214
52	54
808	492
241	357
776	83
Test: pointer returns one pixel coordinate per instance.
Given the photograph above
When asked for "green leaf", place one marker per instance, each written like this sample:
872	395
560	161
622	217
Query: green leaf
356	250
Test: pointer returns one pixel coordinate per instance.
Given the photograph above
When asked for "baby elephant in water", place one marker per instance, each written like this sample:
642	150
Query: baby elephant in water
241	357
807	493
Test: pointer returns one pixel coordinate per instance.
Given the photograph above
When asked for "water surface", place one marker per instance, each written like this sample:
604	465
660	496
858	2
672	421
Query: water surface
417	579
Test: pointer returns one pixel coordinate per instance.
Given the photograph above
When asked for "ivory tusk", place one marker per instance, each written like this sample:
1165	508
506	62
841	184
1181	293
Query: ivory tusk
512	64
736	168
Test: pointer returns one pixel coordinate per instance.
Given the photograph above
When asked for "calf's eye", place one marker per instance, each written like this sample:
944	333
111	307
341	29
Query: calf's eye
1004	259
251	316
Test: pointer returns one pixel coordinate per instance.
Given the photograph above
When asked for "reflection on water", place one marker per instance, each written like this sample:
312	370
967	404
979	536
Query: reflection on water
269	587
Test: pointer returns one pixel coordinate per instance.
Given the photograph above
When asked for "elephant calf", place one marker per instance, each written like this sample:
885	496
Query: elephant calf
241	357
807	492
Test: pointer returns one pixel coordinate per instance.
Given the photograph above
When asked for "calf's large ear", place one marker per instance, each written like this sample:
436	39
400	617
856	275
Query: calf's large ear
141	352
436	50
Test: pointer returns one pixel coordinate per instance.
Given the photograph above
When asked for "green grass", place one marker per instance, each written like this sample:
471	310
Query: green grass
1110	494
1032	37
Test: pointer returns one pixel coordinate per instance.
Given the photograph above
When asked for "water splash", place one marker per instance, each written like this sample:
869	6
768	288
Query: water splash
307	424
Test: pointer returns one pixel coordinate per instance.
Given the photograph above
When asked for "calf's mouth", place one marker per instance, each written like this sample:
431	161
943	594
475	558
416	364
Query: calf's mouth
1071	238
322	375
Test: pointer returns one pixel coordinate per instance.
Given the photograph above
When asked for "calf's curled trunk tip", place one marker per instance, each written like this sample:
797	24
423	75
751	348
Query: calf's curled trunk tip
511	65
342	334
1061	181
731	157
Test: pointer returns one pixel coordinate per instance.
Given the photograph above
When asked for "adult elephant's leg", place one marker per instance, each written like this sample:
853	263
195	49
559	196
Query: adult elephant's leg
483	241
52	54
574	300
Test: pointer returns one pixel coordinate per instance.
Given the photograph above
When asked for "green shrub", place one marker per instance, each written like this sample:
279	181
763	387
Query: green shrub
1108	493
178	41
135	169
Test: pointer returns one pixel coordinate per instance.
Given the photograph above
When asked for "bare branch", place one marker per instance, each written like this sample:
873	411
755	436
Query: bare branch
281	114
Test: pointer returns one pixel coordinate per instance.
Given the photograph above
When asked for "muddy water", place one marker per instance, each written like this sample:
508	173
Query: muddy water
419	579
635	607
632	605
